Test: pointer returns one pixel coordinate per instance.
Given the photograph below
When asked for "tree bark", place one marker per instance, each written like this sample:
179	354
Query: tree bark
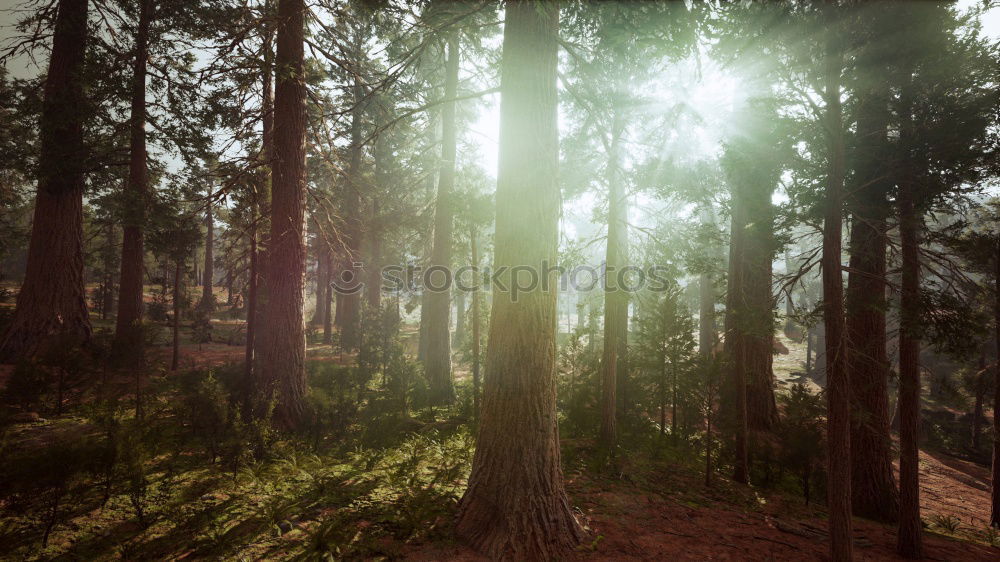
734	350
475	324
322	269
282	366
706	315
176	356
980	398
995	475
128	324
52	302
208	275
515	507
327	311
349	303
873	484
615	298
459	318
437	364
838	387
909	536
256	296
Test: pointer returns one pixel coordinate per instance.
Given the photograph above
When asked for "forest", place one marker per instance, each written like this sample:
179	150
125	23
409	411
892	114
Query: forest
481	280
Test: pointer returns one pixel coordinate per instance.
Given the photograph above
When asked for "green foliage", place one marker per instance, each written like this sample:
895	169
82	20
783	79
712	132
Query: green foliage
801	435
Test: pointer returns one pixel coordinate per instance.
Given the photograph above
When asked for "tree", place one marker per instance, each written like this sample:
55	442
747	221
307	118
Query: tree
437	363
838	389
515	506
52	300
282	346
873	484
128	323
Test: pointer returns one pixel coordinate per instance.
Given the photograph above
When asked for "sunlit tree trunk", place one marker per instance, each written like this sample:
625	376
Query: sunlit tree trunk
52	300
476	323
437	363
349	303
615	298
515	507
838	388
282	350
128	323
734	351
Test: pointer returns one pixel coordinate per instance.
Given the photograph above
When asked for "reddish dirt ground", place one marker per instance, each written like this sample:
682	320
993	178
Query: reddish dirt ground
687	521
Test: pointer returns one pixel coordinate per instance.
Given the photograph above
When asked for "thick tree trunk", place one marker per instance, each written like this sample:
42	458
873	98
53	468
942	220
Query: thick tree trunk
282	365
995	481
515	507
52	301
128	323
754	301
873	484
909	536
437	364
615	297
838	387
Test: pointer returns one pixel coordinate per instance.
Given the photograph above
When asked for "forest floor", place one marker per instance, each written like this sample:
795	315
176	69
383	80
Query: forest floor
396	500
666	512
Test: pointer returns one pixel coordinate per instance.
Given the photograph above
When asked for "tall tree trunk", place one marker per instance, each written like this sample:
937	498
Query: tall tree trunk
349	303
995	476
475	324
282	366
208	275
437	364
516	506
734	350
909	537
615	297
838	385
327	282
322	269
248	350
52	300
128	323
873	484
706	315
753	301
176	357
256	296
373	283
459	318
980	398
376	230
